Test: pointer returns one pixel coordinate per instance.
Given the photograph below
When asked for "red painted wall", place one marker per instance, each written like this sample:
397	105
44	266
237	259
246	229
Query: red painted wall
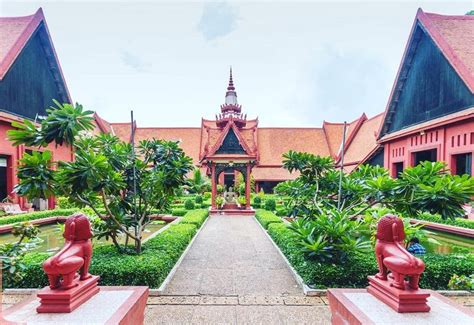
449	140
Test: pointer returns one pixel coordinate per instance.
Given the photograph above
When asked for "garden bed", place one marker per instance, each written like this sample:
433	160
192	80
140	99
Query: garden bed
150	268
353	272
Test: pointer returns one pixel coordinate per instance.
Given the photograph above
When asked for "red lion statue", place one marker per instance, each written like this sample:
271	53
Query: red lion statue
392	255
74	256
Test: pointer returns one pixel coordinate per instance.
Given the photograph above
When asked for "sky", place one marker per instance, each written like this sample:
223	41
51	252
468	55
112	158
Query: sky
294	63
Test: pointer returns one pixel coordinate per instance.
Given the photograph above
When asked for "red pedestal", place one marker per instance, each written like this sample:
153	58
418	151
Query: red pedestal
402	301
65	301
230	206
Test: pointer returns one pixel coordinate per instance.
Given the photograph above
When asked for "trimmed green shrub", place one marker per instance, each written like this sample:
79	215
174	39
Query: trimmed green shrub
195	217
458	222
37	215
189	204
205	205
198	199
149	269
270	204
282	212
207	195
353	273
257	202
266	218
178	212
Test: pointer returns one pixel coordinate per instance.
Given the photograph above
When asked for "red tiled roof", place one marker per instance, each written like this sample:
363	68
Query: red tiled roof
274	142
272	174
454	36
15	32
188	137
102	124
334	131
364	141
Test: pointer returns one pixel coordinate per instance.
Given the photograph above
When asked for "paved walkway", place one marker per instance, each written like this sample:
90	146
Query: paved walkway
234	275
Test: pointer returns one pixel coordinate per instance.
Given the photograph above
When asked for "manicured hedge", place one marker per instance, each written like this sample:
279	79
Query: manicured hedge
37	215
459	222
149	268
178	212
354	272
270	204
266	218
195	217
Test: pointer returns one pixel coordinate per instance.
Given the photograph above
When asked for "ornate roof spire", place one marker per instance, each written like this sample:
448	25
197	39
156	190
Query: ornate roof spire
231	95
231	82
231	110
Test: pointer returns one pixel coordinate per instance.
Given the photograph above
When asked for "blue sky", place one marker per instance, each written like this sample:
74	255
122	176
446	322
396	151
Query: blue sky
295	63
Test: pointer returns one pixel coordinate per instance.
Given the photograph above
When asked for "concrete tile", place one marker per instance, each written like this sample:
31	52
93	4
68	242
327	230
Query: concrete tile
258	315
303	301
214	315
260	300
174	300
163	314
305	315
212	300
217	282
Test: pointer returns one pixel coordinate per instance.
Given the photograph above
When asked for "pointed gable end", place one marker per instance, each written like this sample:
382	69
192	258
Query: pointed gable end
29	67
436	75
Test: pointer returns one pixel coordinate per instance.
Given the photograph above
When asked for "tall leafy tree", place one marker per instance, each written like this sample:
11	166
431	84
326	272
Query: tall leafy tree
105	172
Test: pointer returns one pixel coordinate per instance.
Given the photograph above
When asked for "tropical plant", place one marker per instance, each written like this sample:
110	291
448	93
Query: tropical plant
199	183
242	200
219	201
12	254
461	282
330	237
106	169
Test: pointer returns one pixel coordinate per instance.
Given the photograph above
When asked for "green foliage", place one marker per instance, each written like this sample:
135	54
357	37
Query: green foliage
331	237
189	204
61	126
149	268
257	200
178	212
220	188
37	215
242	200
354	272
195	217
199	183
36	175
428	187
198	199
207	195
129	186
458	222
219	201
461	282
12	254
266	218
282	212
270	204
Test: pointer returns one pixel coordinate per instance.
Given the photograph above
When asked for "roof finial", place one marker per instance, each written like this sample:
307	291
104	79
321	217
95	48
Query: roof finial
231	82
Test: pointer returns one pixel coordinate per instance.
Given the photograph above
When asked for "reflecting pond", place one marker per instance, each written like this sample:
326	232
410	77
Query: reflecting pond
448	243
52	239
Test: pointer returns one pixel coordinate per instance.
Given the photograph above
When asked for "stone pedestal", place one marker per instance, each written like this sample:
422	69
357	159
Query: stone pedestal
65	301
357	306
402	301
111	305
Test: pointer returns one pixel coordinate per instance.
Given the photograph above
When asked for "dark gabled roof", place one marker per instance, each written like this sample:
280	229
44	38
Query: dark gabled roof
15	32
453	35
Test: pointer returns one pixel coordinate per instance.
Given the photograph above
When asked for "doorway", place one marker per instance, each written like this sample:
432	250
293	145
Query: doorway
3	177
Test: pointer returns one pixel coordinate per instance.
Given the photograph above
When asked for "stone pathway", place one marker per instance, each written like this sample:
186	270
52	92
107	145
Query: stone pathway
232	256
234	275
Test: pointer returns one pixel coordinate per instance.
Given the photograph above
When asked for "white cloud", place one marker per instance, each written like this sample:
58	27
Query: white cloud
217	20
